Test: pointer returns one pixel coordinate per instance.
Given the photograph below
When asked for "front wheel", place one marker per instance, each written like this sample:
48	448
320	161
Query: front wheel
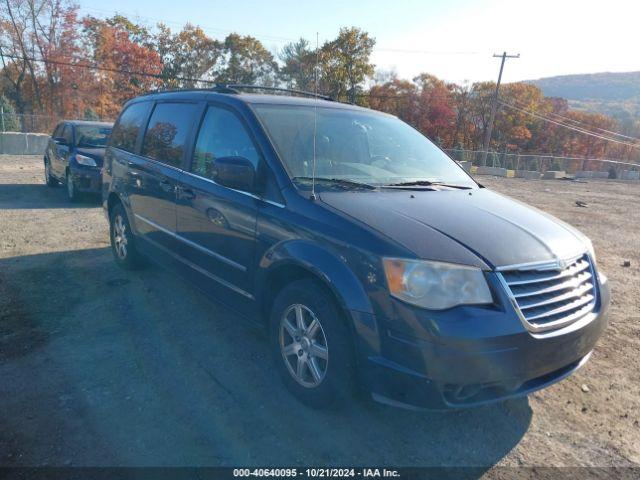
311	345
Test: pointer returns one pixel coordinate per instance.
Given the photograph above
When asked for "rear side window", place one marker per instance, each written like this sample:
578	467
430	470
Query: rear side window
125	133
222	135
168	129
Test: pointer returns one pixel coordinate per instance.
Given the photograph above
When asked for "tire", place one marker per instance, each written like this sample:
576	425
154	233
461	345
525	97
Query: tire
48	179
123	242
72	193
317	366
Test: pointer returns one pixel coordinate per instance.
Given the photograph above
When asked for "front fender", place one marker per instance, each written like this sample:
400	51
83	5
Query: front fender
328	266
336	274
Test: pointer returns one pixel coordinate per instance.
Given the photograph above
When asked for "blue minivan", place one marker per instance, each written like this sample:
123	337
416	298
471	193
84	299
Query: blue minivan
374	262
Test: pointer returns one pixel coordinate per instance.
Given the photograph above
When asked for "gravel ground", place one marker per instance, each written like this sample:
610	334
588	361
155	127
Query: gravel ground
103	367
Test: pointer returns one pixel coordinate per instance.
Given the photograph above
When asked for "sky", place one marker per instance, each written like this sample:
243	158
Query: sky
454	40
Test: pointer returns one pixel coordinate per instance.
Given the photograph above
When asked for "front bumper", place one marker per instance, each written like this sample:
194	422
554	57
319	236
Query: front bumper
470	356
87	179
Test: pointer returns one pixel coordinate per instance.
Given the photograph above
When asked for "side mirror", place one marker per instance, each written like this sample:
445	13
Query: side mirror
60	140
234	172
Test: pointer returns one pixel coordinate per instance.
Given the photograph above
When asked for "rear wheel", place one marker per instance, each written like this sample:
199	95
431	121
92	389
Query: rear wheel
48	179
123	244
311	345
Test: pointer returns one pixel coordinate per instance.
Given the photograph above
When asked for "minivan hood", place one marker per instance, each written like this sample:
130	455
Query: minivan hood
498	230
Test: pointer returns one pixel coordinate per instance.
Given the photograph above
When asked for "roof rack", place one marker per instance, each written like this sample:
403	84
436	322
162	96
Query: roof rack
235	88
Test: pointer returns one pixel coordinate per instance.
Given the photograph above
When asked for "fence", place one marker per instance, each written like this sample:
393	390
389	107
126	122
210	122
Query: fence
543	163
27	123
30	123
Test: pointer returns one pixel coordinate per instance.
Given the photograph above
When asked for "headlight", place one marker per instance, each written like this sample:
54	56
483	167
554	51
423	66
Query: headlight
88	161
435	285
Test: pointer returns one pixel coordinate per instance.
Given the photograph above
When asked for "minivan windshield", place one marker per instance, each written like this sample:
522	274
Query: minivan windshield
356	146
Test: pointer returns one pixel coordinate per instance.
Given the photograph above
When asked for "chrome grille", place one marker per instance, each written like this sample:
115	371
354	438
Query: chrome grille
548	298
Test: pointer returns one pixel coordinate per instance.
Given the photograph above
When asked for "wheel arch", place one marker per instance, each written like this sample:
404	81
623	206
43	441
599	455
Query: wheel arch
293	260
112	200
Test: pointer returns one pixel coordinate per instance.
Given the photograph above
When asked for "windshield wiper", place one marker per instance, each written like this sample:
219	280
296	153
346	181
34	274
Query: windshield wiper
337	181
427	183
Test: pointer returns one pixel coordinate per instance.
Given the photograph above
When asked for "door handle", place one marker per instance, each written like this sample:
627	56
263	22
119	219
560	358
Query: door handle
186	193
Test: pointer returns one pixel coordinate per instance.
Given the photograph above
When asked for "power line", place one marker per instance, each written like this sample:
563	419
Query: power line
570	127
425	52
563	117
157	76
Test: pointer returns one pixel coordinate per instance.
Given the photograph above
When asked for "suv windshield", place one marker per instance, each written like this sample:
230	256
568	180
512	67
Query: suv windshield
92	136
358	146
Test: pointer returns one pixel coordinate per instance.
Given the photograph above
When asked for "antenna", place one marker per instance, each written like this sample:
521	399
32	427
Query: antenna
315	122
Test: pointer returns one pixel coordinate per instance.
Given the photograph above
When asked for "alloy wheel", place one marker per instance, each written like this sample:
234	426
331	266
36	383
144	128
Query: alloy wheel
120	236
303	345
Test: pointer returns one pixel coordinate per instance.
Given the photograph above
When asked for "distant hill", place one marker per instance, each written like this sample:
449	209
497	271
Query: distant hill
615	94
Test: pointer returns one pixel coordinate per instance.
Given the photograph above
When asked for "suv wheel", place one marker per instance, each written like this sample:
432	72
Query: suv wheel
122	240
72	193
48	179
311	345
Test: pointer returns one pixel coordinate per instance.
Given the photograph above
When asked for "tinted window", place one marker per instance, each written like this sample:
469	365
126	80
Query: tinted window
67	134
222	135
167	132
58	131
125	133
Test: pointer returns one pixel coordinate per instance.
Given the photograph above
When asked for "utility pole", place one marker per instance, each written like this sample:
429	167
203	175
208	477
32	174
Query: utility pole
494	106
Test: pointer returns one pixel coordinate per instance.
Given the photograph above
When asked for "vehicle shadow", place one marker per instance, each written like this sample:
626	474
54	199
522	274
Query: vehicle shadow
139	369
36	196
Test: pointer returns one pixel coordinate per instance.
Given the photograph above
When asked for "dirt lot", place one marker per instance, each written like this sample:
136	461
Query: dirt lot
103	367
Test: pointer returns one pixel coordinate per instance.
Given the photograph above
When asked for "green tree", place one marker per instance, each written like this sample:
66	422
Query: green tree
346	63
189	54
9	121
298	64
245	60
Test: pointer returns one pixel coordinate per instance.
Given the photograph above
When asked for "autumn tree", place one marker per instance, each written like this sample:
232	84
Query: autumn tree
41	39
436	115
397	97
463	130
127	68
18	48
